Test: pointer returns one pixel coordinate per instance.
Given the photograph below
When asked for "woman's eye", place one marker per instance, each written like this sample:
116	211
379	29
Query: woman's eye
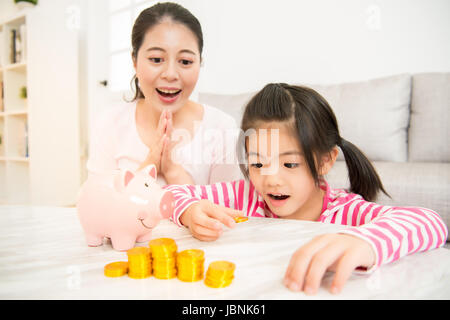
146	184
185	62
256	165
156	60
291	165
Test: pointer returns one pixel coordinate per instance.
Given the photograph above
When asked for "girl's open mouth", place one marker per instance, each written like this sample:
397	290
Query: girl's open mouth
278	200
168	95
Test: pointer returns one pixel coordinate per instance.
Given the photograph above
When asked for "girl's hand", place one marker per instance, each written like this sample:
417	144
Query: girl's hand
155	153
204	219
335	252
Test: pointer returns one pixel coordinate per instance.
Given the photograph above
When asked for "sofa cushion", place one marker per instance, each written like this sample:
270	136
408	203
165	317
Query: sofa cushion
229	103
429	133
371	114
421	184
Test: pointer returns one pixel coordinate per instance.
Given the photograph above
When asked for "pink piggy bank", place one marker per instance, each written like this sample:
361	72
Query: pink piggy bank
125	211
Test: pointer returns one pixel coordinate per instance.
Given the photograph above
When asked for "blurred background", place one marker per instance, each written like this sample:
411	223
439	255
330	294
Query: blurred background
74	59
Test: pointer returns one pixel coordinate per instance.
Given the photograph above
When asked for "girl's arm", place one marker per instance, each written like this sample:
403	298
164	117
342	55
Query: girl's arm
393	232
378	234
203	209
226	194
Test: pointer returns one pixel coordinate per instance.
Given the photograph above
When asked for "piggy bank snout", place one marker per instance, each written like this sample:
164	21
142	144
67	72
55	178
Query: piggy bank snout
142	215
166	205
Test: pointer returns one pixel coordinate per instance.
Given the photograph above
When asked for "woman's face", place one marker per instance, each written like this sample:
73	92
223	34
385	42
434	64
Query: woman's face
168	65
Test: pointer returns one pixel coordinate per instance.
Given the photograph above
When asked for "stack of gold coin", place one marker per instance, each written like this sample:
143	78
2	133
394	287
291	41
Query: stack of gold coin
164	253
116	269
190	265
219	274
139	263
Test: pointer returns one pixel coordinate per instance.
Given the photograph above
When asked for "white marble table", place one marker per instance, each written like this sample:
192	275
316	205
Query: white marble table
43	255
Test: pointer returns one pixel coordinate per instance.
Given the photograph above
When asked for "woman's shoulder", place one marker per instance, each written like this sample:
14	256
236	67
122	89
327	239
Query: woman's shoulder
216	118
115	115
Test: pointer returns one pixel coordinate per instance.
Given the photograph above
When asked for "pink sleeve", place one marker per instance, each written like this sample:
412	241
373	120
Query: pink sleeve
393	232
227	194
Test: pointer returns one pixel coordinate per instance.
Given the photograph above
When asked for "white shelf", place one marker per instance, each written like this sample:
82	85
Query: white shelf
19	66
15	159
40	146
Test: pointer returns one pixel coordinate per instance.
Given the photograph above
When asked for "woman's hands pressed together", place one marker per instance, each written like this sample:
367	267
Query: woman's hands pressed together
155	152
204	219
333	252
160	153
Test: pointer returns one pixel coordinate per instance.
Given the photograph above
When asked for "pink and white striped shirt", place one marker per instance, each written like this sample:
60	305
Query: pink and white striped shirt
393	232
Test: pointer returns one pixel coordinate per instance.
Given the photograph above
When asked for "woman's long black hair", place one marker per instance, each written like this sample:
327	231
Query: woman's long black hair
316	129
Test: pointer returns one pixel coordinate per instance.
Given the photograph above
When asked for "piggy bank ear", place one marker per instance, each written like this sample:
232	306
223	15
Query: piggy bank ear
150	170
122	179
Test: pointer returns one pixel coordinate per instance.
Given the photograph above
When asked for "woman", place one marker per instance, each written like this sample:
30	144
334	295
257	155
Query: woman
161	126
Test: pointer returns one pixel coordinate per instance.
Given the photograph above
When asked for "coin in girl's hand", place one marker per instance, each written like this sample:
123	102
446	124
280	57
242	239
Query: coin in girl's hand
240	219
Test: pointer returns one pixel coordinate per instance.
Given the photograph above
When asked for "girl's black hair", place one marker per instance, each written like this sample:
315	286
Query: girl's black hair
316	129
154	15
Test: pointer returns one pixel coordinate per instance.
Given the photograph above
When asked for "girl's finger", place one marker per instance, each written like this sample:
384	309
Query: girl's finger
206	232
344	269
204	238
223	214
207	222
299	263
320	263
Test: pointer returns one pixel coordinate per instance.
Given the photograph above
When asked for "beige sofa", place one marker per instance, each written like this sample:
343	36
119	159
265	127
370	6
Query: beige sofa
400	122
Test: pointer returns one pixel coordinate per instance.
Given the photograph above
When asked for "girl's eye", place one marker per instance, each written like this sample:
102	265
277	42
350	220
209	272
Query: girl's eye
256	165
185	62
156	60
146	184
291	165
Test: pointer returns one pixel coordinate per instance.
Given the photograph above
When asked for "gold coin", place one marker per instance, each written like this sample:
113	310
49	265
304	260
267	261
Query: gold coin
137	251
162	242
219	274
164	254
190	265
139	263
196	254
222	266
217	284
116	269
240	219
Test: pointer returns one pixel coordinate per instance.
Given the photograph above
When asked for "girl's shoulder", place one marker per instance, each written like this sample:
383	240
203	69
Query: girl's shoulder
337	197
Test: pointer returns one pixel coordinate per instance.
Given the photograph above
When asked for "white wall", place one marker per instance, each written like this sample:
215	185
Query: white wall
250	43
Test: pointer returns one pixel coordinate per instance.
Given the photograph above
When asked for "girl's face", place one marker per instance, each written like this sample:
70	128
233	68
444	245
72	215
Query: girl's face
280	174
168	65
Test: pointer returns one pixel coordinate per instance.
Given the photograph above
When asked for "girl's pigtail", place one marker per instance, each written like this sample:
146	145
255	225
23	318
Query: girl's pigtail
364	179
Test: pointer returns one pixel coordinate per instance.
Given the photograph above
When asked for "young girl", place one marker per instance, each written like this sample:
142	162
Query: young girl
291	142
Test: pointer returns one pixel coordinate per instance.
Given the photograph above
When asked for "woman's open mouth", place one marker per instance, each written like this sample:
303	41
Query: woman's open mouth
168	95
278	199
